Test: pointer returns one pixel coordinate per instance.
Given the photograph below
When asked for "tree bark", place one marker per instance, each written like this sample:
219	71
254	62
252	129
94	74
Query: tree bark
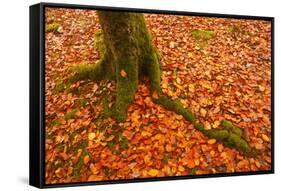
127	39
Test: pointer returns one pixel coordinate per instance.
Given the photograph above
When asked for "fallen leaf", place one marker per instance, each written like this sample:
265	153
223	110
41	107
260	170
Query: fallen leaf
265	137
86	159
190	164
191	88
91	136
123	73
212	141
181	168
203	112
153	172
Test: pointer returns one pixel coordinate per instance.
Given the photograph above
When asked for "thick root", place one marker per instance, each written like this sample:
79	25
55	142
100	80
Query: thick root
228	137
86	72
175	106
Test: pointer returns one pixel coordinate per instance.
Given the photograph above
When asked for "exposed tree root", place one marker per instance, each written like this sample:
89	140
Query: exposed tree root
229	135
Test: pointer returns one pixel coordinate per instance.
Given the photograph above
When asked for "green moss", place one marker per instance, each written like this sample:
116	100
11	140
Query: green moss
124	143
199	127
71	114
77	167
154	74
192	171
62	86
238	143
55	122
98	42
226	124
85	72
230	127
166	158
60	146
203	34
233	28
82	102
59	87
53	27
228	138
220	135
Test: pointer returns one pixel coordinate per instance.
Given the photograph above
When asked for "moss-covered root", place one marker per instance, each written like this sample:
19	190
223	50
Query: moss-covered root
174	105
86	72
227	137
230	127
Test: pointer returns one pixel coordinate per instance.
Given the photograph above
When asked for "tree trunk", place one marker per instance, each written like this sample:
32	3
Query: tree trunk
127	39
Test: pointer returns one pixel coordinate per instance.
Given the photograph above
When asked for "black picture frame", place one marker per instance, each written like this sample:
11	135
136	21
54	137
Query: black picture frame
37	89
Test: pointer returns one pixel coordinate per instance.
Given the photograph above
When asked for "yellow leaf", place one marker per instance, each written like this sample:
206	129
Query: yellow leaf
181	168
179	86
197	162
91	136
179	117
258	164
95	178
191	88
220	147
219	78
145	133
216	124
123	73
265	137
207	126
212	141
203	112
178	80
153	172
261	88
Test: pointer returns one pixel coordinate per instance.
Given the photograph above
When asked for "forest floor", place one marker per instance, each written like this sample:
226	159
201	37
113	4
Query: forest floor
219	68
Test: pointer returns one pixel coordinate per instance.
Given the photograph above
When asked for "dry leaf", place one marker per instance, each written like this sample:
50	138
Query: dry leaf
91	136
153	172
123	73
212	141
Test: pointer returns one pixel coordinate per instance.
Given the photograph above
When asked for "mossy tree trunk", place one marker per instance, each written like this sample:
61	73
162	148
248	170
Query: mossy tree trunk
128	56
128	42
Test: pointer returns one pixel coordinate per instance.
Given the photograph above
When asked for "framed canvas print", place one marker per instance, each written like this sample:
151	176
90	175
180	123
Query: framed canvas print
124	95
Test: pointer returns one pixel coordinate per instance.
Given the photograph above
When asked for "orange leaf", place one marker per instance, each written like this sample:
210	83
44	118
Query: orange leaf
123	73
86	159
190	164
